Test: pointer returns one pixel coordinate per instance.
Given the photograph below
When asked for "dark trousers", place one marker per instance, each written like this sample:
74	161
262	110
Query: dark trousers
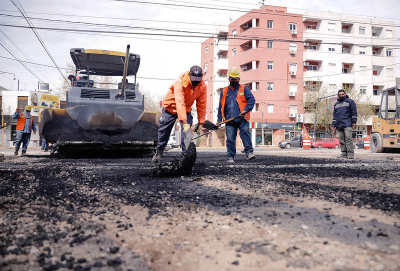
167	121
345	136
231	134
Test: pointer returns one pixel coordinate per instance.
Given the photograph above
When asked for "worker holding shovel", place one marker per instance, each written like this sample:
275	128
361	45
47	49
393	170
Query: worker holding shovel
235	104
177	104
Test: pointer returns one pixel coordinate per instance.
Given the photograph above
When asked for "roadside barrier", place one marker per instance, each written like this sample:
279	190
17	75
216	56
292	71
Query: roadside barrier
366	142
306	142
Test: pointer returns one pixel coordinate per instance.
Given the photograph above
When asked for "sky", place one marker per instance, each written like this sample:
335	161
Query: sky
158	30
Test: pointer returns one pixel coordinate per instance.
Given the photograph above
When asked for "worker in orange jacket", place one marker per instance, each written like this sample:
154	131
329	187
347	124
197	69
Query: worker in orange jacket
177	104
25	125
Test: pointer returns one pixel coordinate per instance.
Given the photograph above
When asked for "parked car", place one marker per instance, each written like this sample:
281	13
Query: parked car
359	144
326	143
290	142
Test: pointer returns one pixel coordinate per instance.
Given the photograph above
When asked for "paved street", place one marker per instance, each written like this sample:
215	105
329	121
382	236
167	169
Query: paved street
288	209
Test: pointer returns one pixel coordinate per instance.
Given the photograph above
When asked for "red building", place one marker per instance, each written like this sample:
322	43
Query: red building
266	45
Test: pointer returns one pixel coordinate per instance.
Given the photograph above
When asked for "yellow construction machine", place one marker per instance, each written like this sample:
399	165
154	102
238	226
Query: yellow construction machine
385	134
101	118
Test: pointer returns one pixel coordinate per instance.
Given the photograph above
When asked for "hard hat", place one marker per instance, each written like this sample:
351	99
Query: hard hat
28	108
234	72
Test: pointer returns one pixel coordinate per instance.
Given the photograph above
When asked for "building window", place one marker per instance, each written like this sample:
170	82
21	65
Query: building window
388	52
362	50
293	87
293	67
205	67
256	107
233	52
22	102
363	70
270	24
331	49
292	27
270	86
234	33
312	67
389	33
389	72
345	50
270	44
293	46
332	67
331	27
375	92
270	65
270	108
363	90
292	109
312	26
361	30
312	47
206	50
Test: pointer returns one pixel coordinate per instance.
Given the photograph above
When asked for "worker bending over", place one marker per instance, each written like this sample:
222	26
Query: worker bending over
177	104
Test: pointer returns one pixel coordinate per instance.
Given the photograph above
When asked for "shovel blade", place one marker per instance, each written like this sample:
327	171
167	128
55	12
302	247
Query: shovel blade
188	138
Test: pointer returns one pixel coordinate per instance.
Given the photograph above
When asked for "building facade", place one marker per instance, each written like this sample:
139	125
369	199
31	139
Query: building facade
345	52
284	56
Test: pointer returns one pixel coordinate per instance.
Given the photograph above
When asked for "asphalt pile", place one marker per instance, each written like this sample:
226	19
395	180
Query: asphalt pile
181	166
67	129
51	208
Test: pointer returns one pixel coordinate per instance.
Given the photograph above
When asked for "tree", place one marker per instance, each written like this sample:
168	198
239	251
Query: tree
324	114
152	101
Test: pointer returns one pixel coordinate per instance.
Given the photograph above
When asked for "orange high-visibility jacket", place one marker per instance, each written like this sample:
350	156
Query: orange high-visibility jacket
21	122
181	97
241	100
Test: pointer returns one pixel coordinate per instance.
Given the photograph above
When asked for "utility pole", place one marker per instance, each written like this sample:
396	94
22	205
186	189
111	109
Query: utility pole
262	124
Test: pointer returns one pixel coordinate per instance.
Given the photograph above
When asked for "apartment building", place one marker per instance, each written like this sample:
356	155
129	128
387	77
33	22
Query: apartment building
348	52
266	45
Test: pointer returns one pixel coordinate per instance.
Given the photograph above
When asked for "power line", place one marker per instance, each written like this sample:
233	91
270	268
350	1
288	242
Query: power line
21	9
180	36
20	62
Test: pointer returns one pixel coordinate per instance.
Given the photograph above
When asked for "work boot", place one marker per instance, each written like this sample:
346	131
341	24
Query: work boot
23	153
230	160
157	157
16	152
251	156
342	156
350	156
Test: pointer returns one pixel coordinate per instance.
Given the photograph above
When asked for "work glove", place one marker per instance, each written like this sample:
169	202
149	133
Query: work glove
218	124
198	127
243	113
186	127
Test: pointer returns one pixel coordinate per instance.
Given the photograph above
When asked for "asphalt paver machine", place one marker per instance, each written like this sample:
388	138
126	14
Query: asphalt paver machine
101	118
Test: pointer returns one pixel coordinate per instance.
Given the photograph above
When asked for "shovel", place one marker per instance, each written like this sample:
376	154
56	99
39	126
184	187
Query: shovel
208	125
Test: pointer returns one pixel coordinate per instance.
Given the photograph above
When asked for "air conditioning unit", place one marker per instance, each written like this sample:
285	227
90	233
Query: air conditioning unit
246	45
306	63
306	44
292	52
245	26
292	73
244	68
292	115
293	32
292	93
300	118
205	70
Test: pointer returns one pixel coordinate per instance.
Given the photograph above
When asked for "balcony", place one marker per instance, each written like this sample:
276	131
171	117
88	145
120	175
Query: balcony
376	31
347	28
313	55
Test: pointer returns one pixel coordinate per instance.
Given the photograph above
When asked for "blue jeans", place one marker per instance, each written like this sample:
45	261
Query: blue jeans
167	121
23	138
231	134
45	144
